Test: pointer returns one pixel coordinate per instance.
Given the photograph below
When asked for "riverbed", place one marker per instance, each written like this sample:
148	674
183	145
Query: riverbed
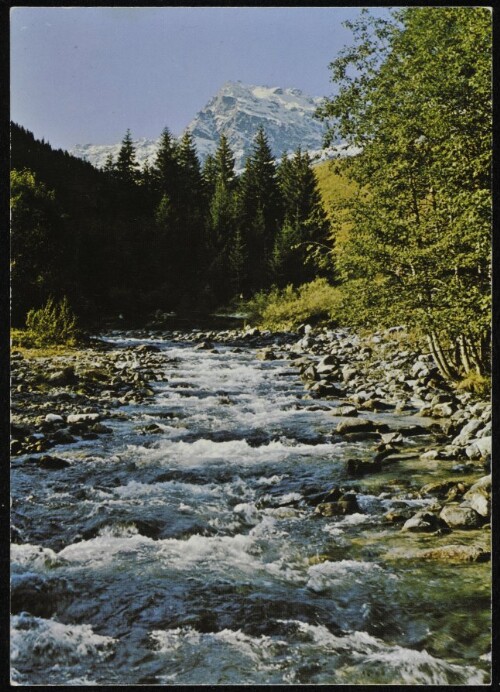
184	547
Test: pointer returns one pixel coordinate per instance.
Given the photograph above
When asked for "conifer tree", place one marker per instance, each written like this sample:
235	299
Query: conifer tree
165	168
222	220
260	211
301	250
191	214
126	165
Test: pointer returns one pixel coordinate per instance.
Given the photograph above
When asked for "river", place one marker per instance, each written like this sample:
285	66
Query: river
191	555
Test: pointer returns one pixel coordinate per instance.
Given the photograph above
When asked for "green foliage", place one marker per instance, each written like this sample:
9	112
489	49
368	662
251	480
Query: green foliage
126	166
415	96
53	324
260	212
477	384
285	309
302	248
35	242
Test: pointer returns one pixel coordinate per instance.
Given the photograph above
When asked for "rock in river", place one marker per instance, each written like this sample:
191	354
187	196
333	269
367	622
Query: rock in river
459	517
423	521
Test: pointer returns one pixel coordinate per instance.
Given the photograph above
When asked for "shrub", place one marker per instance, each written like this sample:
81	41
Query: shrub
477	384
54	323
287	308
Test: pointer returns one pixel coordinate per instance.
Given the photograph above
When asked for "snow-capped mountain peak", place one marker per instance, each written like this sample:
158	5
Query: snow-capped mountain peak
237	110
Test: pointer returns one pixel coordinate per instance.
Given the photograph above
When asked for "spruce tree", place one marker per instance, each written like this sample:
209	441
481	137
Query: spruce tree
302	248
165	170
221	226
260	211
126	165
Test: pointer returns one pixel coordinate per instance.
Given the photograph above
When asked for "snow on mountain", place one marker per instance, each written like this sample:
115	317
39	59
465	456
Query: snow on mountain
238	110
97	154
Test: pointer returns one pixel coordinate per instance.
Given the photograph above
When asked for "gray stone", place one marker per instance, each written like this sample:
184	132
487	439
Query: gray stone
392	438
423	521
355	425
478	502
454	553
468	432
442	410
347	504
348	373
346	410
53	418
83	417
458	517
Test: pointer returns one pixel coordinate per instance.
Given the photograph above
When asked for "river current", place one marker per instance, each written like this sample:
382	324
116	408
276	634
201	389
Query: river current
191	555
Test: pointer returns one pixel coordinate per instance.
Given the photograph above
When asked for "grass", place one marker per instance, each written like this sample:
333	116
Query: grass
22	342
284	309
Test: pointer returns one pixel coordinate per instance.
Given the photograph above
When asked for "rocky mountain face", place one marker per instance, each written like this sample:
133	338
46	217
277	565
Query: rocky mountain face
238	110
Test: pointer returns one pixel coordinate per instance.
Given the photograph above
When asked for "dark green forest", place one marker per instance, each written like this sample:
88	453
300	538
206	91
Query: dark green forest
172	236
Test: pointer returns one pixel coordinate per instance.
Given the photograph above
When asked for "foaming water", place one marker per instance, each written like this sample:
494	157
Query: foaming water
192	555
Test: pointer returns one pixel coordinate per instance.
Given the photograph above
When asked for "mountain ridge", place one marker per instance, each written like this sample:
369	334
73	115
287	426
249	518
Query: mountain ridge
237	110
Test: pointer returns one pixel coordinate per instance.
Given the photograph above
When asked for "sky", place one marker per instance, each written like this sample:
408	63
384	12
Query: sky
85	74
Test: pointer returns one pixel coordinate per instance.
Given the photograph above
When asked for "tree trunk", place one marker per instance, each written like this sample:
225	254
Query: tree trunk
464	355
446	370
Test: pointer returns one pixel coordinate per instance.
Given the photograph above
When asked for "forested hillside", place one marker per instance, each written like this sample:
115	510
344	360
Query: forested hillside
173	236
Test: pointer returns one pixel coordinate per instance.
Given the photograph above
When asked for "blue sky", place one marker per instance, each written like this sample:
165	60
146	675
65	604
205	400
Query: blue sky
82	75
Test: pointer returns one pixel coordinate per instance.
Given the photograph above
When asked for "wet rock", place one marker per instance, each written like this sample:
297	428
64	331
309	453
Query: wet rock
62	437
266	354
323	388
332	495
310	374
350	425
361	436
478	497
346	410
100	428
347	504
83	417
399	514
480	448
443	489
152	428
454	553
49	462
376	405
423	521
458	517
204	346
467	432
392	438
358	467
147	348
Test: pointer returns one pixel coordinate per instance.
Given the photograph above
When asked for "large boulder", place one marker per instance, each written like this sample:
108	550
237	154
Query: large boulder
479	448
459	517
478	497
467	432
